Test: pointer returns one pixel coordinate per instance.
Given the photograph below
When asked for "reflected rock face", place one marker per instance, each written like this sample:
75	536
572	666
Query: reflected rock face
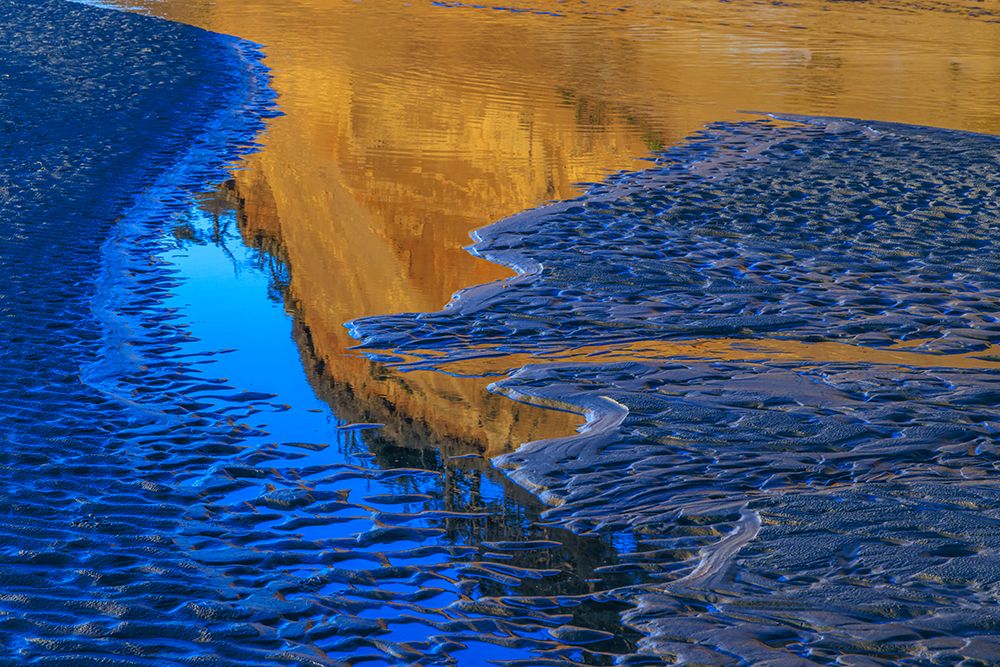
813	508
409	124
148	516
824	230
454	414
783	503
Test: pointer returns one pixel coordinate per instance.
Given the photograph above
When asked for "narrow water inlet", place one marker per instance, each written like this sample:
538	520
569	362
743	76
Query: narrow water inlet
350	510
781	329
157	511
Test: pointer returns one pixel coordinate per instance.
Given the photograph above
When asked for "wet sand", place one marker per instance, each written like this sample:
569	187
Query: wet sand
98	126
403	171
178	495
828	242
407	127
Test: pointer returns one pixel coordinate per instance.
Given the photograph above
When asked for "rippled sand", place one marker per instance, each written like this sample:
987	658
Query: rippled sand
409	125
807	473
832	500
93	121
177	495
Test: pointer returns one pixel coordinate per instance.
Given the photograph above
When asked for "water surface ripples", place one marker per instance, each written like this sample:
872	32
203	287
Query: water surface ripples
180	491
165	500
818	510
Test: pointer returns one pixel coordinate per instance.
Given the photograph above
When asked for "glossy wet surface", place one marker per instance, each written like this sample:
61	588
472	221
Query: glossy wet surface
813	509
363	545
90	568
409	124
790	450
166	501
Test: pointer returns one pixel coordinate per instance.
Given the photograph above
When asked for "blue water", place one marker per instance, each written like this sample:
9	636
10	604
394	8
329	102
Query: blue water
810	511
349	506
175	491
178	493
90	120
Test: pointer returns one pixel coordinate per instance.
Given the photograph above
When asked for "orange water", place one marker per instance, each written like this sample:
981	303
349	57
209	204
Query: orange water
409	124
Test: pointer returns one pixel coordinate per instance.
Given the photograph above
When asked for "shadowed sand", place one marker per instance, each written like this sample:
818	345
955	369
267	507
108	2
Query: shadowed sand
784	337
406	127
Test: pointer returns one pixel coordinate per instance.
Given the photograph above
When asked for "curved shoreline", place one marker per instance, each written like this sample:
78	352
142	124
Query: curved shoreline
210	156
254	520
824	230
114	118
701	460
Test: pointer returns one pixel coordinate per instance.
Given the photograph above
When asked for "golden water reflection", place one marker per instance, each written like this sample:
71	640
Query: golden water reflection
409	124
490	362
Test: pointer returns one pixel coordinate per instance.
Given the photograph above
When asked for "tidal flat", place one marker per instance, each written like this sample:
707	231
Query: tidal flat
714	383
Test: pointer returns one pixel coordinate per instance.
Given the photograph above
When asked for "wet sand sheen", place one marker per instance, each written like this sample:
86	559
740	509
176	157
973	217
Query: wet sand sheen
488	361
409	126
849	480
711	514
847	494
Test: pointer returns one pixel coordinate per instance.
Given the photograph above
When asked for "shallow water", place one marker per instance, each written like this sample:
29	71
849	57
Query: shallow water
845	506
165	501
386	550
410	124
301	534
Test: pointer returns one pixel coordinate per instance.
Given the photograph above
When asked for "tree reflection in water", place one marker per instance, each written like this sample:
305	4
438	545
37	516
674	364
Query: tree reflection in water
399	525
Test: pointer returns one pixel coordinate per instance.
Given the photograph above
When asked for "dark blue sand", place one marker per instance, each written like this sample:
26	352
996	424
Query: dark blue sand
98	107
153	513
794	513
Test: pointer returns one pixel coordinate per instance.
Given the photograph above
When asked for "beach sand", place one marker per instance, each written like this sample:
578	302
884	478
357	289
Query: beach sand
408	126
811	496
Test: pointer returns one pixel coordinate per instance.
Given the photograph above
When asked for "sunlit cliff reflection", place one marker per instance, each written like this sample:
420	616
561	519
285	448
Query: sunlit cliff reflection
408	126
